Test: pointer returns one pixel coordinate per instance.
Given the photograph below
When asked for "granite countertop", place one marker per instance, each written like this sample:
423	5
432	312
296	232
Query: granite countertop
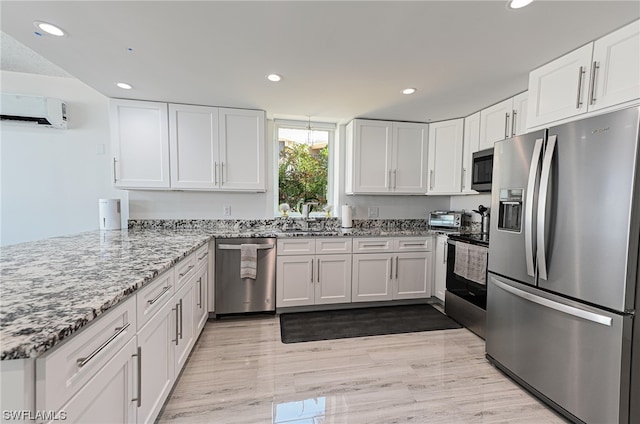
50	289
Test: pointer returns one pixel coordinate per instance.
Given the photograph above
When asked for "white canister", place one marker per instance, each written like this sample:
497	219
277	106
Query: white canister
347	219
109	211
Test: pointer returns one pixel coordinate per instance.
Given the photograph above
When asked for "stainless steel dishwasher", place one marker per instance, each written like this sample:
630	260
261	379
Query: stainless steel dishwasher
236	295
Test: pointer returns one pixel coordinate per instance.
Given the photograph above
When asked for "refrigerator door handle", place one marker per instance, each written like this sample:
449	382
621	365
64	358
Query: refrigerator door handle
565	309
542	206
529	239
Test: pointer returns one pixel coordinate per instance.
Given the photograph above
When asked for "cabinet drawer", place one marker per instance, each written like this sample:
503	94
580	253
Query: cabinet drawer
185	269
63	371
333	245
296	246
202	255
372	245
413	244
153	296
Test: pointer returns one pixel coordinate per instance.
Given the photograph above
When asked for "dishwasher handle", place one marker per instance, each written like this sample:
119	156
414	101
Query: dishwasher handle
237	246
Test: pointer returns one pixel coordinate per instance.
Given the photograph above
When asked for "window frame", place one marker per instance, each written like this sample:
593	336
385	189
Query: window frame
331	128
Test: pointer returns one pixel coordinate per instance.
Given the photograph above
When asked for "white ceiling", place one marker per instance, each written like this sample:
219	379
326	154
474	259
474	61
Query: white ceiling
338	59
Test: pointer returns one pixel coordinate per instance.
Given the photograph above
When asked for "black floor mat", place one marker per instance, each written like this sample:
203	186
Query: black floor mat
345	323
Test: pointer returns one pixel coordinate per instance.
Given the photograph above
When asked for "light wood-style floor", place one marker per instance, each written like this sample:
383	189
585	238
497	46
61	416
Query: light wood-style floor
240	372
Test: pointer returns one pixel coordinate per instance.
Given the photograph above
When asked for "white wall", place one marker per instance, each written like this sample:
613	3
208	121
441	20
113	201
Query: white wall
51	179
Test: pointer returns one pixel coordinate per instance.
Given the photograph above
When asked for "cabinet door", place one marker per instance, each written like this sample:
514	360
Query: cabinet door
495	123
372	276
470	145
559	89
242	145
616	66
193	142
140	143
519	114
200	311
333	279
108	396
157	347
445	157
183	307
409	158
371	156
440	265
295	280
412	275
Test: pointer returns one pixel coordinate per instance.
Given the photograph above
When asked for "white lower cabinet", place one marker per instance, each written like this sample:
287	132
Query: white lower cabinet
157	347
122	368
392	268
110	396
440	267
313	271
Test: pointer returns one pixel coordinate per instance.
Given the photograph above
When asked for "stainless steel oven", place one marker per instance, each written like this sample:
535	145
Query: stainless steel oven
466	300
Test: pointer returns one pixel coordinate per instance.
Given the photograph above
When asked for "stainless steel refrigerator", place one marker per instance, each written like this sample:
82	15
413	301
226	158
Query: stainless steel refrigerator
563	266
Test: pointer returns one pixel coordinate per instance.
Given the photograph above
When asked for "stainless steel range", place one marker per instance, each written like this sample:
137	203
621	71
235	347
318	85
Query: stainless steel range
466	294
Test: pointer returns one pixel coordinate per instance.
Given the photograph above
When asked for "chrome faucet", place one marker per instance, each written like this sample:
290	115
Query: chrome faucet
306	208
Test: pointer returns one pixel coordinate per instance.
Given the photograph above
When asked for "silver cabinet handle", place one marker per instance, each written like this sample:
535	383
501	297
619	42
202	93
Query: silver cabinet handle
199	292
506	125
542	205
395	178
221	173
431	179
566	309
318	270
114	170
177	319
375	245
181	318
529	229
464	177
389	176
215	173
513	122
187	271
412	244
312	279
444	256
162	293
391	270
237	246
397	259
138	398
592	86
203	256
579	97
84	361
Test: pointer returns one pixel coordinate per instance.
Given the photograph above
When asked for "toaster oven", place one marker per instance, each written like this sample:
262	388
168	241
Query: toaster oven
448	220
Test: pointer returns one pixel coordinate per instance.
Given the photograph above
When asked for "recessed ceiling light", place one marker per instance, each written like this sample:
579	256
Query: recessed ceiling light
124	85
517	4
274	77
49	28
409	91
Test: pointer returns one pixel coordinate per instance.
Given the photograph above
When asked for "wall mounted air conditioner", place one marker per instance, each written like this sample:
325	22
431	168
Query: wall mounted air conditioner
33	110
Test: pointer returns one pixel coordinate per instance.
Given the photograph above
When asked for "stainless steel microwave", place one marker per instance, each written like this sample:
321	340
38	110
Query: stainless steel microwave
482	170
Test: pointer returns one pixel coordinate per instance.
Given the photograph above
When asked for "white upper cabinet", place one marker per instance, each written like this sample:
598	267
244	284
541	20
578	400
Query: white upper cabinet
140	143
242	140
616	68
470	145
495	123
445	157
206	148
519	114
193	145
601	75
503	120
386	157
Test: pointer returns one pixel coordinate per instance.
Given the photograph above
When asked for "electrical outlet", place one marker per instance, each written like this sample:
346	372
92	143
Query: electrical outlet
372	212
227	210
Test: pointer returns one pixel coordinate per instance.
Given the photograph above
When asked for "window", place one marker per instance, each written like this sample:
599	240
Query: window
304	165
